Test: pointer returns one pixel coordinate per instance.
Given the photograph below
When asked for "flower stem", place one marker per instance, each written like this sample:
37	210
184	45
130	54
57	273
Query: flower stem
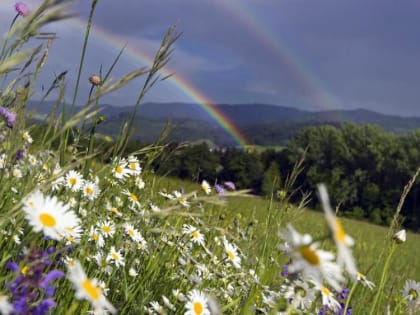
379	292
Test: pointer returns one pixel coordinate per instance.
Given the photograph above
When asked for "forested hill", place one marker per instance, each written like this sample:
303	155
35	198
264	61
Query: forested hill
262	124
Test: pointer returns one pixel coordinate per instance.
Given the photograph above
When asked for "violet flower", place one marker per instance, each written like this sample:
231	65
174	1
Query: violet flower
10	117
230	185
219	189
22	8
32	290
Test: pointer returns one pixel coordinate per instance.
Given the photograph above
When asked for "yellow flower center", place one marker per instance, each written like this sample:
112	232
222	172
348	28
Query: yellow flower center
340	234
95	237
309	255
231	254
133	165
106	229
133	197
115	210
413	294
93	292
72	181
300	291
24	270
89	190
325	291
47	220
361	276
131	233
119	169
195	234
115	256
198	308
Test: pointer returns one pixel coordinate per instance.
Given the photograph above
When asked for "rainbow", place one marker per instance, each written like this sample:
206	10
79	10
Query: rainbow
193	93
274	42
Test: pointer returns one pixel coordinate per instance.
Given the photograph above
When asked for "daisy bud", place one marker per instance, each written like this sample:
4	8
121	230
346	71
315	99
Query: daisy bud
95	80
400	236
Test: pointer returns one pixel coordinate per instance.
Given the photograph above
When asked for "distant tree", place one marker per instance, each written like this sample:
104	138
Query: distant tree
242	168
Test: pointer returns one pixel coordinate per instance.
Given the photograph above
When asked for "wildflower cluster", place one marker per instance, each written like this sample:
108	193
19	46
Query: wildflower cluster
101	228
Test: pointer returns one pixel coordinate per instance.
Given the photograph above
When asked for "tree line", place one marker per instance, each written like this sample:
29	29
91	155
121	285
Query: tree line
364	168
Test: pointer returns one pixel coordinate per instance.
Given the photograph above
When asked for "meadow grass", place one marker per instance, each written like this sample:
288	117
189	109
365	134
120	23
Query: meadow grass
80	236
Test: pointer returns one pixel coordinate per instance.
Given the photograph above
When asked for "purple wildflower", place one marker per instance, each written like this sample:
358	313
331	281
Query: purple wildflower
219	189
22	8
10	117
230	185
31	289
19	155
44	307
285	270
51	276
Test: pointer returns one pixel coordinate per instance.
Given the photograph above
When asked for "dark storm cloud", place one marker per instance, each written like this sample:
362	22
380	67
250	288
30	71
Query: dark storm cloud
364	53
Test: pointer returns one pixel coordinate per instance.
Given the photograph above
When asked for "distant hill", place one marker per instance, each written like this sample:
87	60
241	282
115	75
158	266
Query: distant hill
263	124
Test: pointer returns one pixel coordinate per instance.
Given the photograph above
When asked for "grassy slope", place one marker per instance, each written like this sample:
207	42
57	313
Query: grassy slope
262	220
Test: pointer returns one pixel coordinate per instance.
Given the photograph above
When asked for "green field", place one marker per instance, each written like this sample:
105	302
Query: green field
261	218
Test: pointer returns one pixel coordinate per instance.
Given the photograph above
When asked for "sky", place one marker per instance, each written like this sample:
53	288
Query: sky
306	54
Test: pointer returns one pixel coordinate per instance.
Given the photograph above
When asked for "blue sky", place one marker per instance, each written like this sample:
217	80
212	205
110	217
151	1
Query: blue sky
308	54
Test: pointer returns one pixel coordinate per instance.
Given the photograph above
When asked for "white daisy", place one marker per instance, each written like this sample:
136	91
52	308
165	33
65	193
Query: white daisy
194	233
116	257
88	289
133	165
90	190
232	254
157	308
134	200
315	264
17	172
3	160
27	137
181	199
342	240
107	228
362	278
102	262
139	182
411	294
132	272
72	234
73	180
206	187
400	236
132	232
96	237
6	307
327	297
155	208
166	195
168	303
179	295
300	294
196	304
49	215
120	170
